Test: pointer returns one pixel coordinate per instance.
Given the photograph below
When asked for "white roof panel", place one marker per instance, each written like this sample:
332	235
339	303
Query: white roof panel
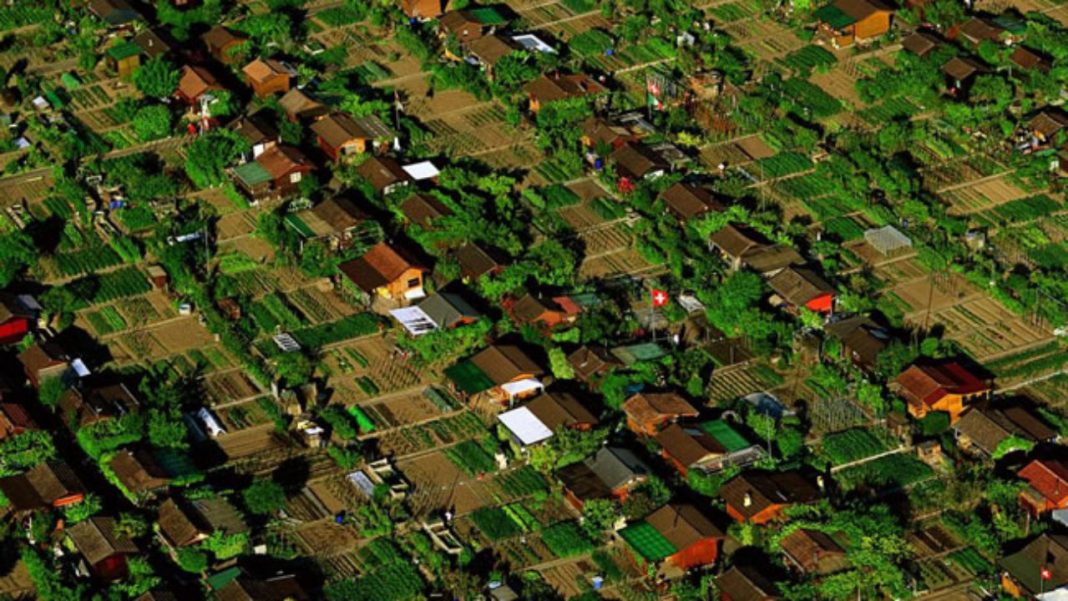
522	386
525	426
414	320
422	170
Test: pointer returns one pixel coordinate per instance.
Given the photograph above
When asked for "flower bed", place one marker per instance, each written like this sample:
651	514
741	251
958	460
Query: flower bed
566	540
471	458
852	445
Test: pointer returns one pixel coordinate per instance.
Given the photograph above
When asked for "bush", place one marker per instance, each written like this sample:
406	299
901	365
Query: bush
566	540
192	560
264	497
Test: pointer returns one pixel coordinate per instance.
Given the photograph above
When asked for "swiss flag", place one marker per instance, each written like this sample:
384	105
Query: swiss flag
660	298
1046	573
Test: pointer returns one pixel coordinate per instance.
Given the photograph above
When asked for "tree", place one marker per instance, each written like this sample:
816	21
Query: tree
166	430
17	251
1011	444
598	515
264	497
210	154
224	104
559	364
157	78
152	122
294	369
192	560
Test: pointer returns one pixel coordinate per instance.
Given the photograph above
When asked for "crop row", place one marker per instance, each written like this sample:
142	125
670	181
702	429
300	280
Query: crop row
353	326
852	445
96	289
471	458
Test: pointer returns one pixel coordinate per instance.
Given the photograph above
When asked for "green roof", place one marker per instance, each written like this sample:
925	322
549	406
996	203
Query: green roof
468	377
294	221
70	81
220	579
725	435
647	541
487	15
646	351
834	16
54	99
175	463
252	174
124	49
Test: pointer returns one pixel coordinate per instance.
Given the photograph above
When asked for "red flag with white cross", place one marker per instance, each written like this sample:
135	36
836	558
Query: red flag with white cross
660	298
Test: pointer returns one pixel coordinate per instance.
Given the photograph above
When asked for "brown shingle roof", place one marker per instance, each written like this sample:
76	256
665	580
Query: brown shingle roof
529	308
961	69
591	361
766	489
195	81
928	383
382	172
491	48
245	588
261	70
42	356
799	285
1048	122
475	261
138	472
218	38
152	43
380	265
768	259
299	105
255	128
504	363
813	551
637	160
560	409
549	88
983	431
736	241
688	445
97	539
423	209
338	213
920	43
746	583
180	527
646	407
280	161
687	201
861	9
860	335
1028	59
683	525
976	30
337	129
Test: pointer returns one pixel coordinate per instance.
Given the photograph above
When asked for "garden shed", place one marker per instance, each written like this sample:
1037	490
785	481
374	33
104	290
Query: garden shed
887	240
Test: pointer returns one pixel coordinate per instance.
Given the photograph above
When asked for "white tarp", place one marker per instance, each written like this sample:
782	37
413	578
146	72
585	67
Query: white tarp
422	170
533	43
362	483
414	320
527	428
519	387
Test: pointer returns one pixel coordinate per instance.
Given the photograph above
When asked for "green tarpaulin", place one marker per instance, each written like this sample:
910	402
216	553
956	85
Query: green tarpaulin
647	541
833	16
468	377
725	435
